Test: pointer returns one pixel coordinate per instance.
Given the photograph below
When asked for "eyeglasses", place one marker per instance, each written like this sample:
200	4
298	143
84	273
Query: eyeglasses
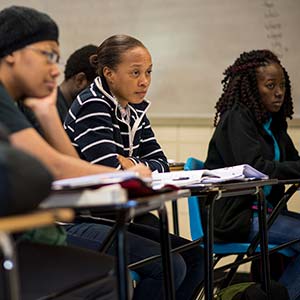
52	57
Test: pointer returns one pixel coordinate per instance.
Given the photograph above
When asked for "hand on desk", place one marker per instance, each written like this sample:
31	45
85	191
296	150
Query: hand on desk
125	162
142	170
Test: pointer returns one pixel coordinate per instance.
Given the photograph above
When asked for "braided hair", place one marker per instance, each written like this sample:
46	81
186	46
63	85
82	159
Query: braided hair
240	85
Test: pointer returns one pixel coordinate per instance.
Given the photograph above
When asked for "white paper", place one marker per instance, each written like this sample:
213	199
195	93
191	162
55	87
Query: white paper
184	178
92	180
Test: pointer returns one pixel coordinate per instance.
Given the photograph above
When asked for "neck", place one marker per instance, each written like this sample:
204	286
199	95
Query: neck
11	85
66	91
123	103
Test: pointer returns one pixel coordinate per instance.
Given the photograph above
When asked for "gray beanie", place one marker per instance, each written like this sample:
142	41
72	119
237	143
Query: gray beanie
21	26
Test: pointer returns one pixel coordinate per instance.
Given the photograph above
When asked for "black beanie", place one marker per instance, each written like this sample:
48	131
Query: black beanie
21	26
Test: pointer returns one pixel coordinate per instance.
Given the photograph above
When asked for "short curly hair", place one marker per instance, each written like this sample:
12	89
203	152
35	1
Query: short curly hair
79	61
240	85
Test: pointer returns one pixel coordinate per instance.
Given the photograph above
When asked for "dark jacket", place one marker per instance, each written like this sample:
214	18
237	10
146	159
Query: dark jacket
239	139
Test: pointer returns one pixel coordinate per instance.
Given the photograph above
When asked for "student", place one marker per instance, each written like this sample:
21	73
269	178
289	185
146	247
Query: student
251	128
79	73
38	276
108	125
107	122
28	73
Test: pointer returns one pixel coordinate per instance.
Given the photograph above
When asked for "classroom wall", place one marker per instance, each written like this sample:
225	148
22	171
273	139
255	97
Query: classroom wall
191	42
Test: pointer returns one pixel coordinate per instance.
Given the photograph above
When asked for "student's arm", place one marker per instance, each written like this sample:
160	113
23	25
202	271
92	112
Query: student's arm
61	165
47	115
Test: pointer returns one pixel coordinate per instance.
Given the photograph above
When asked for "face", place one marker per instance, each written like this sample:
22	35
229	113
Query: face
130	81
35	69
271	86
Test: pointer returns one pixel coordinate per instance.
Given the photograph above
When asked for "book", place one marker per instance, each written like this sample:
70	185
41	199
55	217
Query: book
106	195
204	176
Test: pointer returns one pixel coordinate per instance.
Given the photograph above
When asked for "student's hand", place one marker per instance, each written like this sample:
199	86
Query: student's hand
142	170
125	162
42	106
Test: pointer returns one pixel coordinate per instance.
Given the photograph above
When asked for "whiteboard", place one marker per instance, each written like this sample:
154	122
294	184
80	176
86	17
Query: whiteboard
191	41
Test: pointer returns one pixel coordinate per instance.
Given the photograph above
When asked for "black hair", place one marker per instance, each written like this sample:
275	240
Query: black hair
110	51
79	61
240	85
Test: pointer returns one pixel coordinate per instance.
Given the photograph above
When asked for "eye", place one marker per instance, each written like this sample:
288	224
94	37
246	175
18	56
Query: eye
270	85
282	85
135	73
149	72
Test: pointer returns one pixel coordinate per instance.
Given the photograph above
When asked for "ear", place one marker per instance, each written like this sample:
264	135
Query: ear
10	58
108	74
80	81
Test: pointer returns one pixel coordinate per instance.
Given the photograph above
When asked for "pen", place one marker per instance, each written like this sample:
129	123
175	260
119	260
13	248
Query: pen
181	178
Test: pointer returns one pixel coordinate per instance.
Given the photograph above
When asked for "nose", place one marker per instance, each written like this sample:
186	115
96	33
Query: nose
279	92
55	72
144	80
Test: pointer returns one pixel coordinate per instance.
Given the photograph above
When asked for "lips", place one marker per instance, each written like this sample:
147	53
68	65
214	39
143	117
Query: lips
142	94
50	84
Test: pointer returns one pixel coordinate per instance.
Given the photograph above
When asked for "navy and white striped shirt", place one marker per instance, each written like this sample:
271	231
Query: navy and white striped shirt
98	132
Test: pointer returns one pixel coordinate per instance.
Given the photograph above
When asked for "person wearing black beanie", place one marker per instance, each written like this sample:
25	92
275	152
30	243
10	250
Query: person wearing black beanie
29	53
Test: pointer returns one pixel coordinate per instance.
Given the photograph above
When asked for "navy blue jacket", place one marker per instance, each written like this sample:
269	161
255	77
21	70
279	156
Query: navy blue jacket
98	132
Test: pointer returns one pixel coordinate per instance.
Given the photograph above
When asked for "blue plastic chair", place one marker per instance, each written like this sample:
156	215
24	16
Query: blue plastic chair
220	249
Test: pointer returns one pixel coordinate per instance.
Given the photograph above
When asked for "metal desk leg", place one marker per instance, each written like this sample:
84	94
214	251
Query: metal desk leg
208	240
10	268
166	257
175	217
262	213
121	260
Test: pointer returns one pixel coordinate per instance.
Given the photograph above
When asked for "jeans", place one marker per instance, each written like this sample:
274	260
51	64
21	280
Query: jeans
143	241
285	228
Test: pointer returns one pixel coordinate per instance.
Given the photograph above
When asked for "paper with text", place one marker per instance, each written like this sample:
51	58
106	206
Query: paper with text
185	178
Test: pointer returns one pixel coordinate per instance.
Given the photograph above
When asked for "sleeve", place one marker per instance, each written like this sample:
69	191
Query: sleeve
11	117
242	140
93	133
24	181
151	153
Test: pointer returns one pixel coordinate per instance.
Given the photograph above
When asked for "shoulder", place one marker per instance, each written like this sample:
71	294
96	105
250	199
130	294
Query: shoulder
239	113
92	95
10	115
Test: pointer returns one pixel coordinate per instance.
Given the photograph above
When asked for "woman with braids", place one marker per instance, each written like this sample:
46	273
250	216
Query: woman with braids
251	128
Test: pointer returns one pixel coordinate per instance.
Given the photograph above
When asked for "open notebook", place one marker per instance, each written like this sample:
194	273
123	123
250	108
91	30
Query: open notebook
186	178
102	189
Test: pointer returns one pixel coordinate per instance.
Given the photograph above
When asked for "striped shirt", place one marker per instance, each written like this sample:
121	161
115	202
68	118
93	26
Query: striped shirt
99	133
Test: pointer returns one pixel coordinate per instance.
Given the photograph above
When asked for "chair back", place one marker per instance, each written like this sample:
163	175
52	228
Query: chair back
193	201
